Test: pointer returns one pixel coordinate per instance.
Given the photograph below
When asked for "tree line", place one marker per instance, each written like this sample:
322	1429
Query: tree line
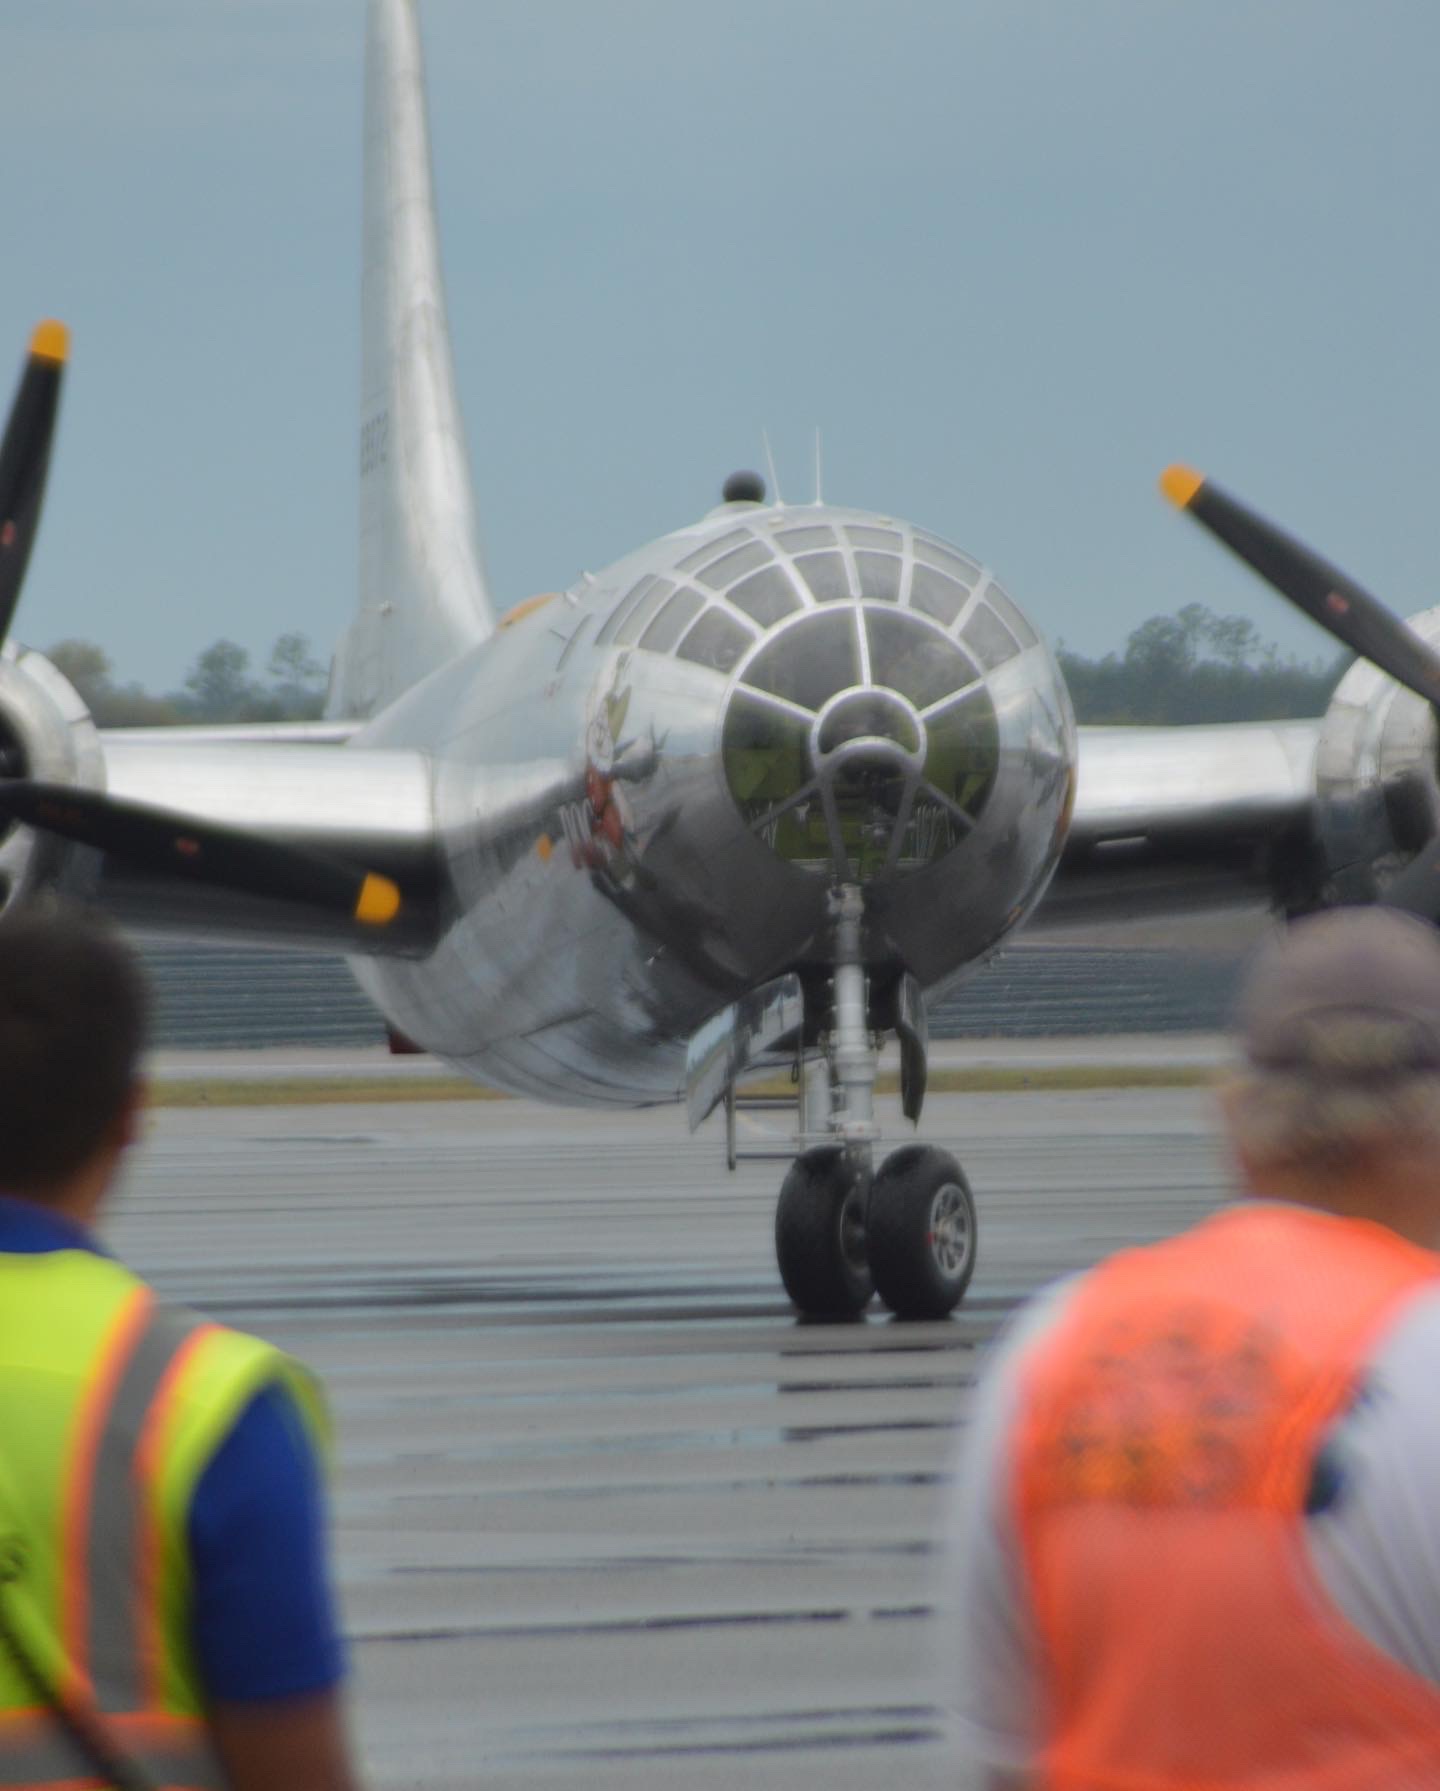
219	686
1193	666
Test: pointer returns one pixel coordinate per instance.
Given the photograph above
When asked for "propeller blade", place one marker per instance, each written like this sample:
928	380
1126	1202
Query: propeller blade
25	458
1341	607
180	846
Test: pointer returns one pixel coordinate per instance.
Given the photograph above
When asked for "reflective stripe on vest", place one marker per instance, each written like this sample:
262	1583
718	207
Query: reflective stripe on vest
110	1568
35	1752
1168	1428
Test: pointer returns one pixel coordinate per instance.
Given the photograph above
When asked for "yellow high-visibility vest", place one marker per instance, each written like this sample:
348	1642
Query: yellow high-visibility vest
111	1407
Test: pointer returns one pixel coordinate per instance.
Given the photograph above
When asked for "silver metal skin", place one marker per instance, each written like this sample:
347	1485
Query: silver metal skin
1244	777
423	593
737	1038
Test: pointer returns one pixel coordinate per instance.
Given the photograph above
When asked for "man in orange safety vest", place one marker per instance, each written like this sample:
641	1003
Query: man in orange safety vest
1196	1529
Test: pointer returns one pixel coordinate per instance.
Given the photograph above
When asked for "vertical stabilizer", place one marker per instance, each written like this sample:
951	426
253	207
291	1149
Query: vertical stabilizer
423	597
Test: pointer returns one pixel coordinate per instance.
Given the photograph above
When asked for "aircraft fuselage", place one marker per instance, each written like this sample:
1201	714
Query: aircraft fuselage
646	787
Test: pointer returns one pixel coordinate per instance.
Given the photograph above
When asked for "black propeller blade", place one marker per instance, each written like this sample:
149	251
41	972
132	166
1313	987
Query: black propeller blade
1341	607
179	846
25	458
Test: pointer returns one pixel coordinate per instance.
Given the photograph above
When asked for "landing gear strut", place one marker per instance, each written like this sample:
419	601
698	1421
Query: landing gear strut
842	1229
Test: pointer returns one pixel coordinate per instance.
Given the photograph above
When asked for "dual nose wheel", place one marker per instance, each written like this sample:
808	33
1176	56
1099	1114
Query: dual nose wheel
912	1240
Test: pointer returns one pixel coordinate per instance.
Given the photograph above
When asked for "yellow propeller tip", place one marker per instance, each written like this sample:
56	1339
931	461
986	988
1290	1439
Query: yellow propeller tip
1180	483
51	341
378	902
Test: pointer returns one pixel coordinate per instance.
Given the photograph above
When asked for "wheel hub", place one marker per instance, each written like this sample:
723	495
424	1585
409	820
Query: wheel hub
949	1234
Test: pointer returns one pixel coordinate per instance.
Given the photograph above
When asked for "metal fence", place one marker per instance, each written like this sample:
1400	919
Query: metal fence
224	997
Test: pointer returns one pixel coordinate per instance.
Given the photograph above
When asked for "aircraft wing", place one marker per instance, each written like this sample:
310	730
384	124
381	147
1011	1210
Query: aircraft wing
245	733
256	839
1181	819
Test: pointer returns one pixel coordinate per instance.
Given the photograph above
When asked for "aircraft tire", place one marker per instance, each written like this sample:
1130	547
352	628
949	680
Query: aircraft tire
820	1237
921	1232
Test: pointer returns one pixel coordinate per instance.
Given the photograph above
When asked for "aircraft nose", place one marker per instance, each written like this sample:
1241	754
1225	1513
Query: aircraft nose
860	743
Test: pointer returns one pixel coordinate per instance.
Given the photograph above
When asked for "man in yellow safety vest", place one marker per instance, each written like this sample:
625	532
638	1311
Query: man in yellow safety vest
165	1613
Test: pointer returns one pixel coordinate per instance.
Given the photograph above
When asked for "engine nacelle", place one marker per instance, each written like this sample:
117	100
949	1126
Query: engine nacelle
46	733
1377	778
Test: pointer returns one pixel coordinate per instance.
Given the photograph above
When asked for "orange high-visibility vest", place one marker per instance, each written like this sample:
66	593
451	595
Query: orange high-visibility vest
111	1408
1168	1431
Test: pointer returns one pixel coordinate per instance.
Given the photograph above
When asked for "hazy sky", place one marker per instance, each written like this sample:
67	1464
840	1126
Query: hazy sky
1012	255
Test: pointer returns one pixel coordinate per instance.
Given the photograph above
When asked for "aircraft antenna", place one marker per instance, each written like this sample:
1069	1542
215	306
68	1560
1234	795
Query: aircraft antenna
770	464
818	468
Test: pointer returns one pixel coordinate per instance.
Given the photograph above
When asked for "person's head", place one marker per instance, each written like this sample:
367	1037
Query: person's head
72	1027
1337	1102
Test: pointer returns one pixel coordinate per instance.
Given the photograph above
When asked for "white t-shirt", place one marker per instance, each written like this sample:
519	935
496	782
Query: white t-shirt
1375	1546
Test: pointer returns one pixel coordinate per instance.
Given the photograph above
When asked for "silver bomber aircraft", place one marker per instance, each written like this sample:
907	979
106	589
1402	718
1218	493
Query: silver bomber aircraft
742	799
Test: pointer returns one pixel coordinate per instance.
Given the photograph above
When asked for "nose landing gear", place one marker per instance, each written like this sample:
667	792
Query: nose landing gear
842	1229
920	1232
820	1241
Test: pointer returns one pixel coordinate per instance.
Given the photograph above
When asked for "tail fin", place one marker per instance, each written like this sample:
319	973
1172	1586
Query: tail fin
423	596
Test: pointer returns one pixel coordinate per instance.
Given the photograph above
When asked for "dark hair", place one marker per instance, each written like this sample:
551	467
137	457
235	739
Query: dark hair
72	1026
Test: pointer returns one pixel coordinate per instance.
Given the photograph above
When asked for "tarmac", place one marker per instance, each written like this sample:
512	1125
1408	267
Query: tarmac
606	1514
283	1063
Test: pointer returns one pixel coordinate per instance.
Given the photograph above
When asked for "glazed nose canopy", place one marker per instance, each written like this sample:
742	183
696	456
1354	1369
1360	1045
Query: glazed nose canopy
860	742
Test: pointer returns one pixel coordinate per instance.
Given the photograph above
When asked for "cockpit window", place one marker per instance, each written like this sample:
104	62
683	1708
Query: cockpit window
826	576
712	549
624	607
935	595
915	660
809	663
766	595
639	614
803	540
879	575
672	621
989	638
716	640
861	763
1010	614
945	559
963	754
735	565
886	539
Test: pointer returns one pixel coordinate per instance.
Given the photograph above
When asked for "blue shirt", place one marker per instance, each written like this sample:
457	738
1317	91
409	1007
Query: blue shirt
263	1618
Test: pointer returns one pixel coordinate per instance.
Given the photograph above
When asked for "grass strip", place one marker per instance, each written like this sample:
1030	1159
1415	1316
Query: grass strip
323	1091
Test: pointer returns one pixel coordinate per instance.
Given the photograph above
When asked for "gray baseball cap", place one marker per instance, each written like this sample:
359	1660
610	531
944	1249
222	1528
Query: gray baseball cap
1353	995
